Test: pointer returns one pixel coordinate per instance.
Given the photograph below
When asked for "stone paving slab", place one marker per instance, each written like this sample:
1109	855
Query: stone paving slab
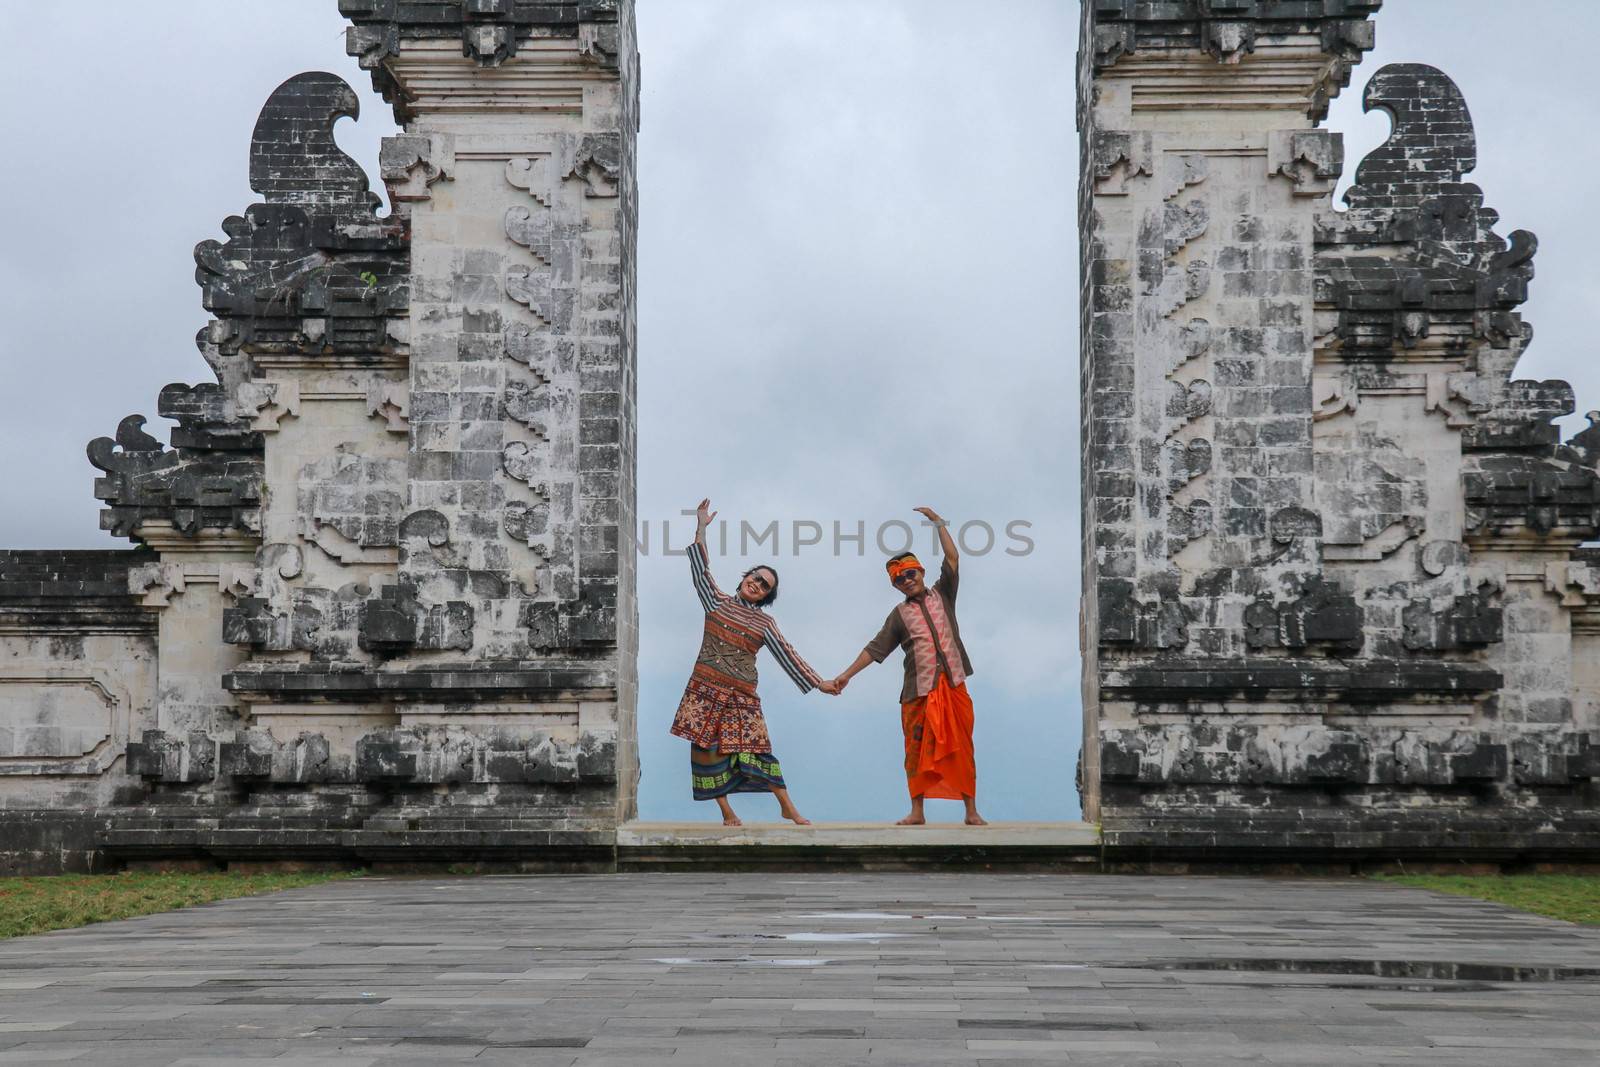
819	969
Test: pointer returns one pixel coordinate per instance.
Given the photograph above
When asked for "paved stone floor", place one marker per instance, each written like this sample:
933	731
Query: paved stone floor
812	969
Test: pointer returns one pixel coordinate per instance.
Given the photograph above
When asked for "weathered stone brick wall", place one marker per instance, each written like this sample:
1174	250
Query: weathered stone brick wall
1334	597
77	691
386	609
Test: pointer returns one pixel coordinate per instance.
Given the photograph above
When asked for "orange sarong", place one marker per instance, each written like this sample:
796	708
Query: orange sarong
939	757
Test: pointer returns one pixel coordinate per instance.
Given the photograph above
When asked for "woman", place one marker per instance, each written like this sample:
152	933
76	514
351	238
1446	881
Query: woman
720	714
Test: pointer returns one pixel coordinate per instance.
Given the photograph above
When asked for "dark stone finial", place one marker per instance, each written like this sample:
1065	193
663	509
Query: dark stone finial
294	158
1431	147
1446	270
313	268
132	438
131	449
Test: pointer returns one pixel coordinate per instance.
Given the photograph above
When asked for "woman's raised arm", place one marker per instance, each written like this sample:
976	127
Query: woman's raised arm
705	586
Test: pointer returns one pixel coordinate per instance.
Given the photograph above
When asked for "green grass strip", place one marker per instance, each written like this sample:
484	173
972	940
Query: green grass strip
1573	897
34	905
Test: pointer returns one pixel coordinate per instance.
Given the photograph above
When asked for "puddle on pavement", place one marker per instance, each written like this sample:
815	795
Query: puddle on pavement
883	916
870	937
742	961
1425	970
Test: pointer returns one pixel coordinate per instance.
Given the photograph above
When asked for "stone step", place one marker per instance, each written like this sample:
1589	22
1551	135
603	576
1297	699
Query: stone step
859	834
667	845
633	846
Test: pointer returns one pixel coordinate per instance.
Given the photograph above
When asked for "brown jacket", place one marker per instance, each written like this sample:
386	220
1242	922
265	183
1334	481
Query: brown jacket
895	633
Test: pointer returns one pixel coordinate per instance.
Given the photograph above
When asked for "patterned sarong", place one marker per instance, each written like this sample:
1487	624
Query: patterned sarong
939	758
717	774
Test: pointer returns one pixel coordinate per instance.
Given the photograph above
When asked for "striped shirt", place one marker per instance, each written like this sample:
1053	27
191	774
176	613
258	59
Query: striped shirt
927	631
735	631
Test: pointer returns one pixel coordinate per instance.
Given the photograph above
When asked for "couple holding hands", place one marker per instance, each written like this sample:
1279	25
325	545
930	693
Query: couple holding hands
720	714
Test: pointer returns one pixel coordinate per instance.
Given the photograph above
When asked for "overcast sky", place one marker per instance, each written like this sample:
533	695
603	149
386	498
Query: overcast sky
857	252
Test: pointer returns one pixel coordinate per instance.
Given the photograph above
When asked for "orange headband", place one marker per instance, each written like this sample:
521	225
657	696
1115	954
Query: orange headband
898	567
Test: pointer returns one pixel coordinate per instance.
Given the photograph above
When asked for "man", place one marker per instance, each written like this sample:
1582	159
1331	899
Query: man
935	711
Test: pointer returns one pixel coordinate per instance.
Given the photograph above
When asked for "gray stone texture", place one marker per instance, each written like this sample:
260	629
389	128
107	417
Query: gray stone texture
808	971
1335	594
386	584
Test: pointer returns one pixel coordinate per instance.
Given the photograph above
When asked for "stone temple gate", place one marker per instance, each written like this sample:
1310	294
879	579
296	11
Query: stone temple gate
384	599
1336	594
381	601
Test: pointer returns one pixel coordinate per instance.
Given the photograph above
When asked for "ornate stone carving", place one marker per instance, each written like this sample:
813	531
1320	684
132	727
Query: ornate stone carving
208	417
1229	31
1186	402
390	401
1120	156
1159	624
1323	613
490	32
1510	493
1465	622
1333	396
526	404
312	268
1577	584
411	164
163	757
590	620
1374	495
397	621
254	622
157	583
533	231
350	505
189	488
1186	461
236	580
531	289
598	166
265	403
523	464
532	176
1441	557
1312	160
1454	272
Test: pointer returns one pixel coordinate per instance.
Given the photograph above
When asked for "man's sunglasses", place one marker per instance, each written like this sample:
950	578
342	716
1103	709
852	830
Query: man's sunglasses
905	576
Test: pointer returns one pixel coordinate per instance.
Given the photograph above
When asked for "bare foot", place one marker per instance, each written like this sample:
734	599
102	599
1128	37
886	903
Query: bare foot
974	819
796	818
912	820
732	820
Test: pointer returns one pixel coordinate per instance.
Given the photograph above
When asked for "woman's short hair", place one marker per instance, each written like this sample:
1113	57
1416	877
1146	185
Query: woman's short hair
772	594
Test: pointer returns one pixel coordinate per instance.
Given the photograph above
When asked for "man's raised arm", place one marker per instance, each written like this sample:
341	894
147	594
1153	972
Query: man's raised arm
947	544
